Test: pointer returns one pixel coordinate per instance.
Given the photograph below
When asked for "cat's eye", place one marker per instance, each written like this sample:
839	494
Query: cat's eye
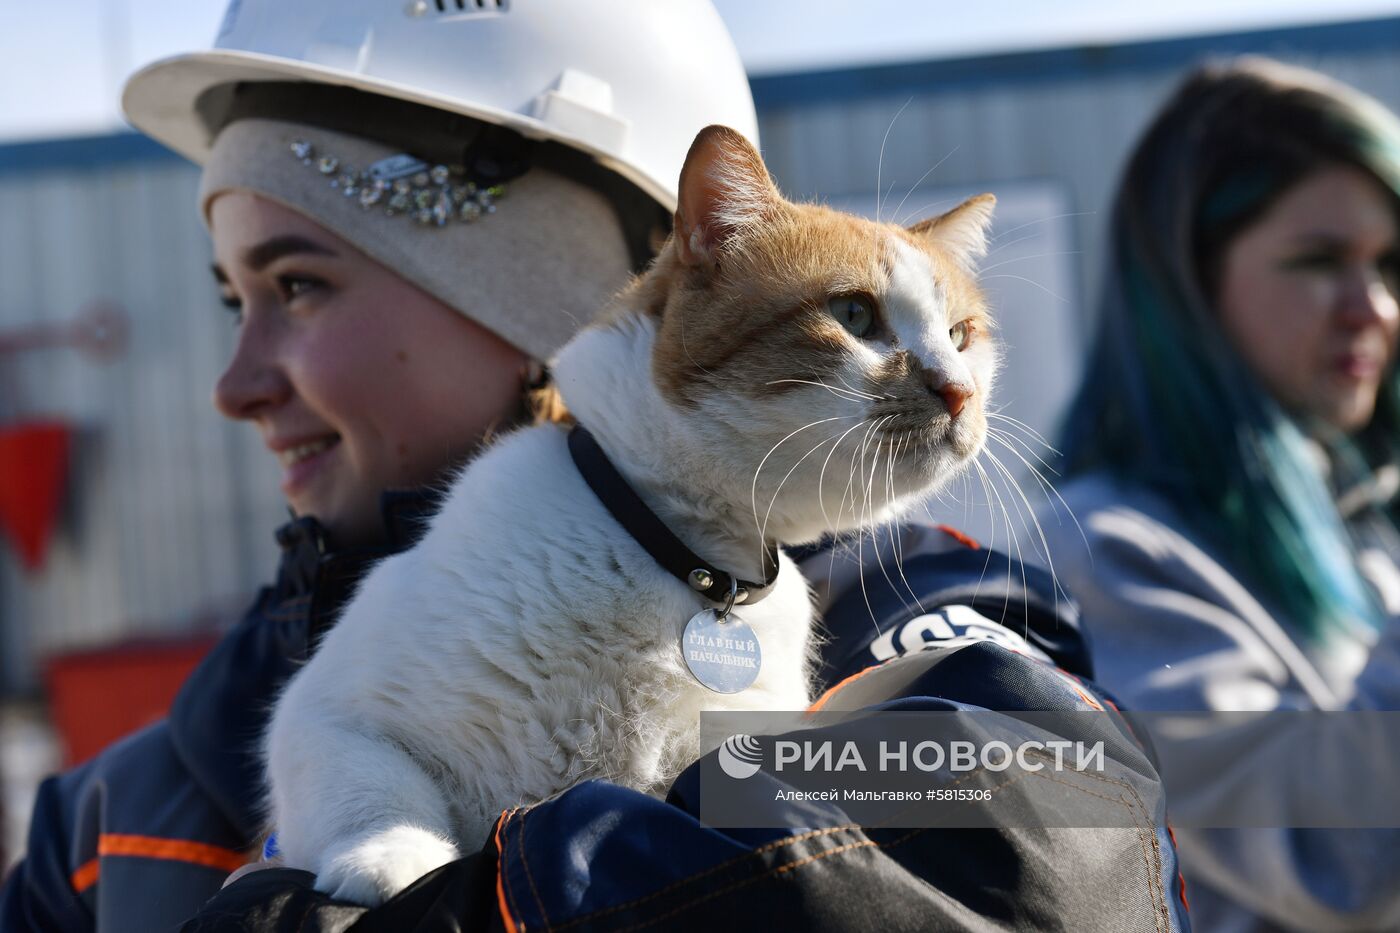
961	335
856	313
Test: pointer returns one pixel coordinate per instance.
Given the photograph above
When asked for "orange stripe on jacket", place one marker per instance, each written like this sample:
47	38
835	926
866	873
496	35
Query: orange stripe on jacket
963	539
816	707
507	920
117	845
85	877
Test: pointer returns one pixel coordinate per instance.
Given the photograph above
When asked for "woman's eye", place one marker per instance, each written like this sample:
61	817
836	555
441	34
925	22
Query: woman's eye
1388	265
856	313
295	286
1314	262
234	304
961	335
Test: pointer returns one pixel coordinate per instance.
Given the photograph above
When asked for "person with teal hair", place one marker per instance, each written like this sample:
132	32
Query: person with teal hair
1231	458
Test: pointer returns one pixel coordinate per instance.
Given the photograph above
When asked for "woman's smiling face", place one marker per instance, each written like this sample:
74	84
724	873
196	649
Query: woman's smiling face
1308	296
357	380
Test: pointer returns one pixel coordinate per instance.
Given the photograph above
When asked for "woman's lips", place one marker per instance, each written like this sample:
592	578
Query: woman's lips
1356	365
301	463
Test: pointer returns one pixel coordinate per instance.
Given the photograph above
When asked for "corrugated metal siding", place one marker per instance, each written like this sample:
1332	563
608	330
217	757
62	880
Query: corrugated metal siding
170	507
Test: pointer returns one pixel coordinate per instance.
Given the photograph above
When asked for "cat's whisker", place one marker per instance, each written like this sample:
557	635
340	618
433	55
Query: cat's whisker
914	187
919	212
990	501
1049	487
1029	512
1006	438
686	348
865	517
860	534
888	189
850	480
851	490
763	529
1057	589
1034	434
821	478
851	388
1007	245
991	528
991	542
1007	275
875	526
880	162
1020	501
1011	537
1040	220
966	478
1007	262
853	397
866	514
1017	444
898	542
753	489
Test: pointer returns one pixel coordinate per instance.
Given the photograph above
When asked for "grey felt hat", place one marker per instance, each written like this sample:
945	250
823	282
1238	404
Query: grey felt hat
532	263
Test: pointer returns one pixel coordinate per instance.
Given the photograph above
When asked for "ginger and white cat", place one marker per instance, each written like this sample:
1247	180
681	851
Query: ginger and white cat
781	372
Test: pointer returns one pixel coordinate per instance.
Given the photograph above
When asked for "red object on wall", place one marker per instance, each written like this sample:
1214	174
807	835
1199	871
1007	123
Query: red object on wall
96	697
33	468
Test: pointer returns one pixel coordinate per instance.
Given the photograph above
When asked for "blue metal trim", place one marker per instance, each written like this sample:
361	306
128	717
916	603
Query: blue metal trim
775	92
82	152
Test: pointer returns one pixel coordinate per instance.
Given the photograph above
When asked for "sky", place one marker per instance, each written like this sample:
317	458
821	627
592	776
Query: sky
62	64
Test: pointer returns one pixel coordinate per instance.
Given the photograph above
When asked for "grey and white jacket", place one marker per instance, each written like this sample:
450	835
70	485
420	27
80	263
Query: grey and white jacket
1174	628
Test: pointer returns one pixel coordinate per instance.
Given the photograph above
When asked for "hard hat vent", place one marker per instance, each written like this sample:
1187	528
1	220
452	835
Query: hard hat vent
471	6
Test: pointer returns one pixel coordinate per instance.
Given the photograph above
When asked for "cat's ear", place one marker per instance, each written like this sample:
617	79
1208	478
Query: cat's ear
724	187
962	232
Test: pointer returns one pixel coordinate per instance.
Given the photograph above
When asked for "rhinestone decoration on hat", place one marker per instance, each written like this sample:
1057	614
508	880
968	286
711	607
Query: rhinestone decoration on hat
402	184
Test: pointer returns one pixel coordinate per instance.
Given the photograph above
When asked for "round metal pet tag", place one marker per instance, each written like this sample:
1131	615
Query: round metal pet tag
722	653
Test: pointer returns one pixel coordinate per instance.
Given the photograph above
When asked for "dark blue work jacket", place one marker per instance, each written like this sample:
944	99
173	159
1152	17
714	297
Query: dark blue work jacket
140	838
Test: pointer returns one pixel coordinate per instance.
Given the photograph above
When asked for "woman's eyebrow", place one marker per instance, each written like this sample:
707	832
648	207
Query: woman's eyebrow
1319	238
263	254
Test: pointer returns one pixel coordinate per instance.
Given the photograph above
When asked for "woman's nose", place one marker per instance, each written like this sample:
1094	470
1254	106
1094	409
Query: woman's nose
1368	301
254	381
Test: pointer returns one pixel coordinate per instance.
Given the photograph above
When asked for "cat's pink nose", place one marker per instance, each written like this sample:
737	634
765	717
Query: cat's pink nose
954	392
955	396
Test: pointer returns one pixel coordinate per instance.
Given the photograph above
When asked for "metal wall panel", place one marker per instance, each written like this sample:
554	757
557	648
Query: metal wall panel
170	508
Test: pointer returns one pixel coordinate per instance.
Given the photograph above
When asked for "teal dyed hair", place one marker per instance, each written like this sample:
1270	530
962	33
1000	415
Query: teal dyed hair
1165	400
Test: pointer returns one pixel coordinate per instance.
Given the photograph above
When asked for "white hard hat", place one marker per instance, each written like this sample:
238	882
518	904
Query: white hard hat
629	82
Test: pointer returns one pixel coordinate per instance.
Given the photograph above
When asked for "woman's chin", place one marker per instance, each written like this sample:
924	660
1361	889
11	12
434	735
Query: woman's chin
1349	411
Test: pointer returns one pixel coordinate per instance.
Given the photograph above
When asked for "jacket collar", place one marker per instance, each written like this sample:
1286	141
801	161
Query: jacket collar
221	713
312	569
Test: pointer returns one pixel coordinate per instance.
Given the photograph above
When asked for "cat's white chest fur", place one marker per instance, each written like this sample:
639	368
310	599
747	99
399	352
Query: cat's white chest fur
526	644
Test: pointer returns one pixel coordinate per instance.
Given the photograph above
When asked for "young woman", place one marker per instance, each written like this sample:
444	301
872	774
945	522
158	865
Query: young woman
393	311
1233	452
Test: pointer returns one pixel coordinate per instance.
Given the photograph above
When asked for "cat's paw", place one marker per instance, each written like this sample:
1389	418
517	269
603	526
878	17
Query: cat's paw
374	869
